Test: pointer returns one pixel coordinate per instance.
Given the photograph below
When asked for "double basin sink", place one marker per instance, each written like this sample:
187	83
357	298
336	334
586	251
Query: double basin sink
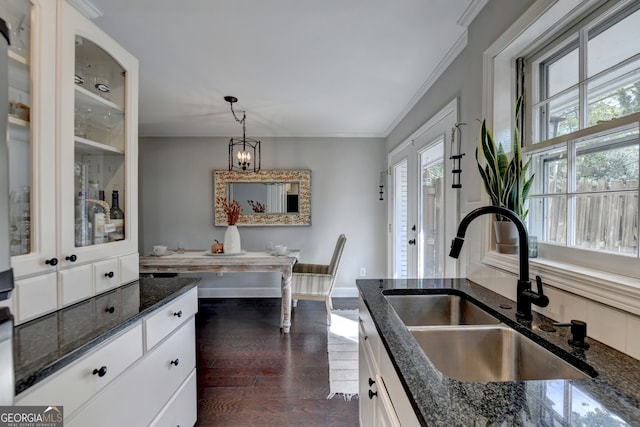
466	343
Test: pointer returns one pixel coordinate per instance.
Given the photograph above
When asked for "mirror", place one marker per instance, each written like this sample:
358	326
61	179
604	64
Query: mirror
275	197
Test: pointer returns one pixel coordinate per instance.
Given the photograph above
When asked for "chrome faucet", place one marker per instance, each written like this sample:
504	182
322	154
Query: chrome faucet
525	296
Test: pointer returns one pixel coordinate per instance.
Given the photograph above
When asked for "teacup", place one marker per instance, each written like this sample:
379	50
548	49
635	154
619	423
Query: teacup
159	250
280	249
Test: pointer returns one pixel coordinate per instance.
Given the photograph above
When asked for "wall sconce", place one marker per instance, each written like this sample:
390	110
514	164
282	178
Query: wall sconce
381	185
456	157
242	151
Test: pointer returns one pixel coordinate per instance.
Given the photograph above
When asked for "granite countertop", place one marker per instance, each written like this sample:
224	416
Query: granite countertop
51	342
611	398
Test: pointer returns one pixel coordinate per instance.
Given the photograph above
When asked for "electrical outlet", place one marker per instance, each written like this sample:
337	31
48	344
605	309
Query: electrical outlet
363	272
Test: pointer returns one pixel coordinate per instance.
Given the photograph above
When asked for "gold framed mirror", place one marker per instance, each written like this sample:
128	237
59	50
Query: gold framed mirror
267	197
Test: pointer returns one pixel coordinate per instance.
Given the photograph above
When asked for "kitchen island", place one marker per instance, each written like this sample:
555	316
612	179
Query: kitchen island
614	394
97	355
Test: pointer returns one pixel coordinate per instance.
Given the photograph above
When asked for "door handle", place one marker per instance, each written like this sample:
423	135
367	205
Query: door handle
412	242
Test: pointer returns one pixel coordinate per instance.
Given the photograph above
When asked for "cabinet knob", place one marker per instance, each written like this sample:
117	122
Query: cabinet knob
371	382
109	274
371	394
110	309
101	372
71	258
178	314
52	262
175	362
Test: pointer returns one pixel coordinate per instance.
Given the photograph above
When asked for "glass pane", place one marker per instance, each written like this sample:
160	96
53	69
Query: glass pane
431	237
17	14
401	220
99	173
600	54
550	168
607	222
607	167
548	218
560	115
562	73
608	161
615	94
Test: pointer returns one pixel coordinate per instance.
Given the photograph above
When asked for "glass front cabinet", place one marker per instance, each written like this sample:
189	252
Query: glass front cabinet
73	157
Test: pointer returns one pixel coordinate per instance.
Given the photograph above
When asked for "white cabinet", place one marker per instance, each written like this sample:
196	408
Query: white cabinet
72	132
383	401
119	383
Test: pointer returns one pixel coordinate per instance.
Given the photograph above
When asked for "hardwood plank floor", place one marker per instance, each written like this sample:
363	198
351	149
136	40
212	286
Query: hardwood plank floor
249	374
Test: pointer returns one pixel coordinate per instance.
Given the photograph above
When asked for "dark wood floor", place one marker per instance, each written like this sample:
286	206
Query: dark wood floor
249	374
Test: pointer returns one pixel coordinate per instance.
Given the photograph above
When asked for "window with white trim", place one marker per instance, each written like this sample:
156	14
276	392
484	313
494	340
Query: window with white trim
583	112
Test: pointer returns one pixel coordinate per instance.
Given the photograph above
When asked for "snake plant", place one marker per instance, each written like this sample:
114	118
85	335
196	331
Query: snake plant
504	179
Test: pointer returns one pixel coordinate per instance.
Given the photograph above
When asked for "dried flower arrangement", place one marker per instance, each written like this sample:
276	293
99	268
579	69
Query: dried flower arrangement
257	206
233	209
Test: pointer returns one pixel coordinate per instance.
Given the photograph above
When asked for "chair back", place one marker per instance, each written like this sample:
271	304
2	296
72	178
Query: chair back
337	255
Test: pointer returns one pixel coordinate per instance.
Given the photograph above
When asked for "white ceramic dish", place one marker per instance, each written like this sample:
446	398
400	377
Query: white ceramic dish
164	254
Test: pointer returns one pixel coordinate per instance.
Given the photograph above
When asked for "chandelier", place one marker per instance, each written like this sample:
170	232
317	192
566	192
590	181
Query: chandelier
243	152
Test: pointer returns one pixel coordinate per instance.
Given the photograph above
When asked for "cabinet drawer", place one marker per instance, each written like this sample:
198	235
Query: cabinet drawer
368	329
129	268
137	396
73	385
169	317
182	409
106	275
35	296
75	284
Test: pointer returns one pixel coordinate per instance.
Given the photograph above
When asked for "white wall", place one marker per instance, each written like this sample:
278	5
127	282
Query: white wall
176	203
464	79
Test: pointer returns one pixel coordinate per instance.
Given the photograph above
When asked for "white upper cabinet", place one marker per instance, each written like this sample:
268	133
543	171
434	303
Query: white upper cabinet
97	140
73	135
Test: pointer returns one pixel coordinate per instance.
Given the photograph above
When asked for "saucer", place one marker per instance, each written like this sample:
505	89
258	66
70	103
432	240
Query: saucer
164	254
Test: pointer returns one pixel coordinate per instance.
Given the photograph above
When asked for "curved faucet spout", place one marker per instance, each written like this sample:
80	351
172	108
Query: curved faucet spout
525	297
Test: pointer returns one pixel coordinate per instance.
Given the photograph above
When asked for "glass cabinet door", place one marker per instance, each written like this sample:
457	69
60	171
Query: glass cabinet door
99	146
18	17
97	143
31	133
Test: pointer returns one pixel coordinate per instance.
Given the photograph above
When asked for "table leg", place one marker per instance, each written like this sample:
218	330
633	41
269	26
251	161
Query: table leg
285	312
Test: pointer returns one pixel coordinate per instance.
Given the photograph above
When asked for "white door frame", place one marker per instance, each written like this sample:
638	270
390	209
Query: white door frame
441	123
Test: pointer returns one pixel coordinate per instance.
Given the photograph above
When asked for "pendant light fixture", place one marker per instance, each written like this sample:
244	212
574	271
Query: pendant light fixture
244	153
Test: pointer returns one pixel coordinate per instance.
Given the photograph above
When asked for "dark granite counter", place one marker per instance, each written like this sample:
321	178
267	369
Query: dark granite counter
51	342
611	398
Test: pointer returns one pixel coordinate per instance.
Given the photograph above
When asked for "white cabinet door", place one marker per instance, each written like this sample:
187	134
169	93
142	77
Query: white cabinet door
142	392
72	386
97	106
31	140
75	284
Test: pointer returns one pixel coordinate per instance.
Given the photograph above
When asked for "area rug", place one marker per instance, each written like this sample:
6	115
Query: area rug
342	346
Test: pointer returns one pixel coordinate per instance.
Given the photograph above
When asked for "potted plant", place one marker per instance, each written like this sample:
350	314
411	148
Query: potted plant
505	181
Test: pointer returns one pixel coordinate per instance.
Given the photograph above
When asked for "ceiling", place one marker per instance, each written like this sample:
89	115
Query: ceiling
350	68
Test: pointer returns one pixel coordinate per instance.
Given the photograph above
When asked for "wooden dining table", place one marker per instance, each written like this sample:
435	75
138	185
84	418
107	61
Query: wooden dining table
202	261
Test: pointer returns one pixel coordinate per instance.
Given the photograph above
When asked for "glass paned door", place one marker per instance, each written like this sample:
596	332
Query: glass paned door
424	206
401	220
431	211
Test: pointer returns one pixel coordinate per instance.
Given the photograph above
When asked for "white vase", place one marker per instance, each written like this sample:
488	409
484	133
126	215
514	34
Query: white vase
507	241
232	240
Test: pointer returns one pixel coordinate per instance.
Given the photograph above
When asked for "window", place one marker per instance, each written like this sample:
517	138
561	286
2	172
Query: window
584	116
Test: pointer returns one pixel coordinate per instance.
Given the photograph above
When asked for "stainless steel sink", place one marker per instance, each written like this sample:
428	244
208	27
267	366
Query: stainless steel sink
491	353
438	310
